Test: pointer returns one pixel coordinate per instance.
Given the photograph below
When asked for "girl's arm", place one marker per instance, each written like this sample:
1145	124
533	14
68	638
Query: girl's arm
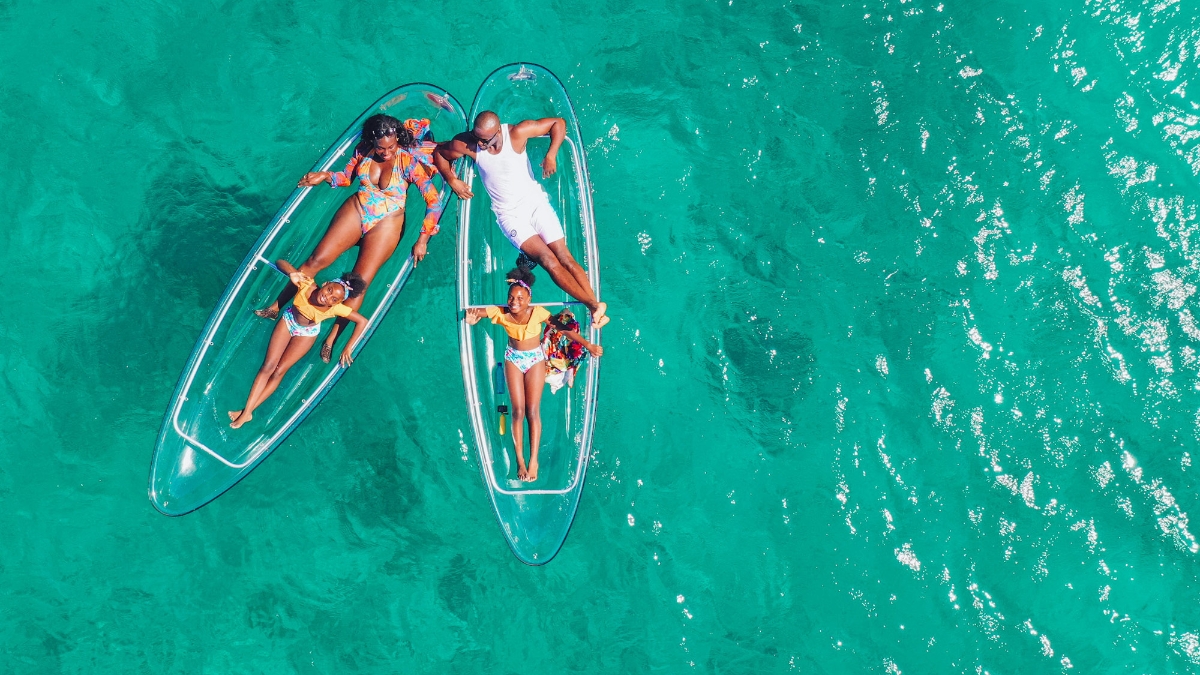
595	349
360	327
296	276
474	314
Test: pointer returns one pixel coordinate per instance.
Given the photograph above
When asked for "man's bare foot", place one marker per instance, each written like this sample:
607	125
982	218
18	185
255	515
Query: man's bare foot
267	313
241	419
599	315
326	352
531	474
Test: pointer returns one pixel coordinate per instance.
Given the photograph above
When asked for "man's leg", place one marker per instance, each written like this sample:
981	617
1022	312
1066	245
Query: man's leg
536	249
545	222
559	248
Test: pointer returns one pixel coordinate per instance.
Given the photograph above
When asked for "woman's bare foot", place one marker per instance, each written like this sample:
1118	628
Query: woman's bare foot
267	313
241	418
599	315
234	414
326	352
522	474
531	474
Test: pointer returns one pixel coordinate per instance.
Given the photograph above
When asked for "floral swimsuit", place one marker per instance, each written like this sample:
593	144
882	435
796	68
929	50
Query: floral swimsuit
412	165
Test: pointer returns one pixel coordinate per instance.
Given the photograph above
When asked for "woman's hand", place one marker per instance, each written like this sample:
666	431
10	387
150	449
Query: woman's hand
346	359
419	250
594	349
300	278
549	165
461	189
313	178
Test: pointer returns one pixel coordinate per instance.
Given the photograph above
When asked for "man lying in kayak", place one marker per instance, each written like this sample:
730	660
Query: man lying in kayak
522	209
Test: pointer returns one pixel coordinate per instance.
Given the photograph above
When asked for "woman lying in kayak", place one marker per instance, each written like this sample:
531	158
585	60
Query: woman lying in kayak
390	156
524	362
296	334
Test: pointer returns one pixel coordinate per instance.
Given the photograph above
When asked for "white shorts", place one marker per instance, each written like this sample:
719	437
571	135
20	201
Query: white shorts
540	220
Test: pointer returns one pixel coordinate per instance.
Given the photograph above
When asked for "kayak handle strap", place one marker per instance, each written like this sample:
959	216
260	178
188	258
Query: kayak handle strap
273	266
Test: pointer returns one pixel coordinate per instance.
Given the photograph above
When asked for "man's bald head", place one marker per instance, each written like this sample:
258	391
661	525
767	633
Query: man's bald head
487	123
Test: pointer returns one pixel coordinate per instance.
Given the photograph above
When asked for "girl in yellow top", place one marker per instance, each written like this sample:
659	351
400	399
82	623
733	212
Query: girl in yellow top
524	363
297	332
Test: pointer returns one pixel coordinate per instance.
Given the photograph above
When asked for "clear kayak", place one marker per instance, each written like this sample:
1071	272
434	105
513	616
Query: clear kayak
198	457
535	517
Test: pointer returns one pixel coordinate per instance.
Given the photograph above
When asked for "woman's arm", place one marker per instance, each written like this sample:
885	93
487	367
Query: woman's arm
420	177
360	327
595	349
335	178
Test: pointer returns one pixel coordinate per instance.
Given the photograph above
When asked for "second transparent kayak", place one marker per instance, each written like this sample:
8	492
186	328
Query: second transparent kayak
535	517
198	457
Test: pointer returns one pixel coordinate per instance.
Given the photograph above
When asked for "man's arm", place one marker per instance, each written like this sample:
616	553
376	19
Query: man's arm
448	152
555	127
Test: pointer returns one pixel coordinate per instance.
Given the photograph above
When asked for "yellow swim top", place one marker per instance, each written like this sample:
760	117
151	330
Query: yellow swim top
302	305
519	331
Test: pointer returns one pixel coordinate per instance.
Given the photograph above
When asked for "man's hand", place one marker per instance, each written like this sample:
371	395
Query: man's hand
461	189
549	166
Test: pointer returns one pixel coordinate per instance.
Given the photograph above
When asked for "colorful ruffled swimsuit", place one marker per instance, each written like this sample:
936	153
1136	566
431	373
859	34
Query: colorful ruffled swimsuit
412	165
563	355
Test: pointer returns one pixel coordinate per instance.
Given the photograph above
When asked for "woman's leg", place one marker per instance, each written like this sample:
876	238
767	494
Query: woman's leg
297	347
516	394
345	229
535	383
280	337
375	249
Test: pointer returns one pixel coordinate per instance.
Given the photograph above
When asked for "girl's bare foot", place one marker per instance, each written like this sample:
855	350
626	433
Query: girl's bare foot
531	474
241	419
267	313
233	414
522	474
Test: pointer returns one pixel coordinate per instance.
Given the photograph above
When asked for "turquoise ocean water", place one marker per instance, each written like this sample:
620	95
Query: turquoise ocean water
904	375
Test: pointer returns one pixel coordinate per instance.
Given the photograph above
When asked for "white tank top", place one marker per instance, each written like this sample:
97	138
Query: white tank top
508	177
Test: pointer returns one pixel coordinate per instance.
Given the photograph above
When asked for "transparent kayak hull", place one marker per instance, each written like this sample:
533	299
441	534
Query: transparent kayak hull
198	457
535	517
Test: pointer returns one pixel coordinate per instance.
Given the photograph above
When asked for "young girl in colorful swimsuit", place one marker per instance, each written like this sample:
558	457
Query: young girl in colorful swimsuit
295	335
524	363
565	349
390	155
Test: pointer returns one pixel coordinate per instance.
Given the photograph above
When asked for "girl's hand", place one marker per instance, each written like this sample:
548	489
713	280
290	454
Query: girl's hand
312	178
595	350
299	278
346	359
472	317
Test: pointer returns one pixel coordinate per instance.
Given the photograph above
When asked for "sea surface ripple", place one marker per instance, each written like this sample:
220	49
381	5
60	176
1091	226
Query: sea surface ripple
904	375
